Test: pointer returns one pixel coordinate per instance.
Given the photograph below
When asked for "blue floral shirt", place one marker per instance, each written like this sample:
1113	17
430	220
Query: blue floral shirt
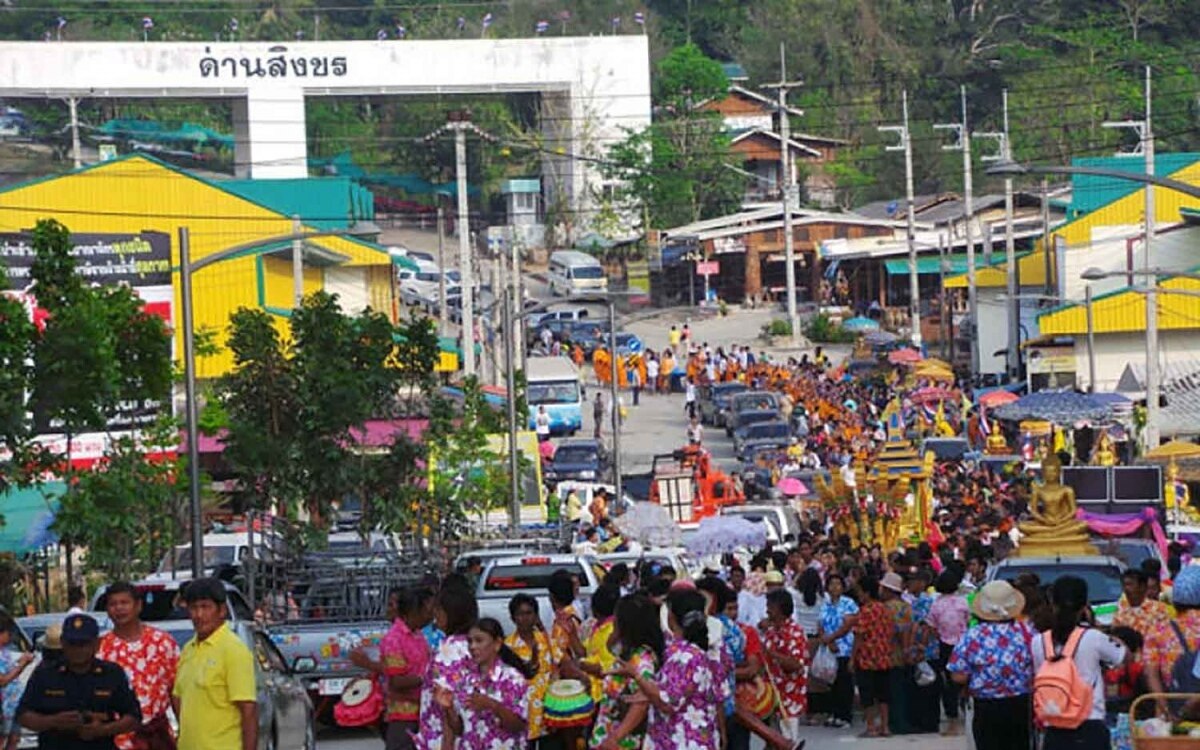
998	659
833	616
10	694
926	639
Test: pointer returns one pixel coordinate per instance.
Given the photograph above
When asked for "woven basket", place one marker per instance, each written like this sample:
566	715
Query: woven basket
1179	742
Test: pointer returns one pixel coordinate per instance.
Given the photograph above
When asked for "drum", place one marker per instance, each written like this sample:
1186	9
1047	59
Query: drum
361	704
568	704
757	695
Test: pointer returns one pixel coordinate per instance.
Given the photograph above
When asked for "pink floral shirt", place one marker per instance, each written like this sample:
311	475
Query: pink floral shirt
483	730
949	617
447	668
691	683
403	652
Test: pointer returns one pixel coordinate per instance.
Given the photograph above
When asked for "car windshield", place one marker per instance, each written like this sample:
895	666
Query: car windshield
213	557
1103	583
751	417
768	430
1132	552
427	277
575	455
749	401
563	392
587	272
527	576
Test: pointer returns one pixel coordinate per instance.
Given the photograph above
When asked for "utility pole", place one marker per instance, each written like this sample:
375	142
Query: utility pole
443	312
1145	148
517	330
76	149
914	282
1091	338
510	385
1047	246
499	327
297	263
459	123
189	389
963	133
614	395
1012	304
785	164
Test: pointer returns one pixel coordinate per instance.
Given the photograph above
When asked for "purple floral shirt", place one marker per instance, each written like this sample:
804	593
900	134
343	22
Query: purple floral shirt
482	730
693	685
445	670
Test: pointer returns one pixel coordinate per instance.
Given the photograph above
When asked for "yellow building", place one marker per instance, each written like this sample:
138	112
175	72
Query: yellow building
139	194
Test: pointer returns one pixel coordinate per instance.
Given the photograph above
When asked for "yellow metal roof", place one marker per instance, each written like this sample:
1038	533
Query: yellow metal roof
1124	311
1131	209
1031	270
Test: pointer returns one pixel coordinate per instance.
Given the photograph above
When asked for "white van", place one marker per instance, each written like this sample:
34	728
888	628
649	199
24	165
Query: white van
553	382
573	272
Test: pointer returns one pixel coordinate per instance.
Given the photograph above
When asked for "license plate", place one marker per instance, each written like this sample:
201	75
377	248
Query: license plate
333	685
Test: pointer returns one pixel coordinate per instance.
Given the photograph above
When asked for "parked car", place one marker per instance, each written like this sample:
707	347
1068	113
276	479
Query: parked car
583	459
534	321
420	285
676	558
1103	576
714	400
739	421
628	343
752	434
161	602
530	574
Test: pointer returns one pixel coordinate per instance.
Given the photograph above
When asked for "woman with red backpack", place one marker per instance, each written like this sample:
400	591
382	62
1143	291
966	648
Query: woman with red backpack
1069	661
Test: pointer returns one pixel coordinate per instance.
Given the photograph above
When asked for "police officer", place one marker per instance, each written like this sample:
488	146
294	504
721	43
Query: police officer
82	703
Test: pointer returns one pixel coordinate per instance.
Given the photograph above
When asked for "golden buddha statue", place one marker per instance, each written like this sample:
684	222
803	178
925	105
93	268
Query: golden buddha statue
996	444
1104	454
1054	529
862	350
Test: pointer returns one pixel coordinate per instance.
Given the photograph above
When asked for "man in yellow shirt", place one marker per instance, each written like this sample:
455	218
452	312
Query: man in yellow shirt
214	694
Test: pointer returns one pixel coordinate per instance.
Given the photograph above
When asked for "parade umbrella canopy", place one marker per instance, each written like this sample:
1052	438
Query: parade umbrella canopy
881	338
1174	449
999	397
1059	407
792	486
860	324
649	524
720	534
933	373
931	395
904	357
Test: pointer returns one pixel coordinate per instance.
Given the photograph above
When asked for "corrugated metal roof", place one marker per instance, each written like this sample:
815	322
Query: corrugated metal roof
1124	311
1090	192
323	202
1181	388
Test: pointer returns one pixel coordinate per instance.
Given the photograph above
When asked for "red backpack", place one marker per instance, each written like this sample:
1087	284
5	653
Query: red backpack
1061	697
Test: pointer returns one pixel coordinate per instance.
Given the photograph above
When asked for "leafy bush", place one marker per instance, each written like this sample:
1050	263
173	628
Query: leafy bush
822	330
777	327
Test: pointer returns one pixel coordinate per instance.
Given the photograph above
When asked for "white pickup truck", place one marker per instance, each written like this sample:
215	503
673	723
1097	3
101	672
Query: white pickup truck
505	577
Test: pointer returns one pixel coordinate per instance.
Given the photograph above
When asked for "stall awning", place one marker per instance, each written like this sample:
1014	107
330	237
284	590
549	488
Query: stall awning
930	264
28	514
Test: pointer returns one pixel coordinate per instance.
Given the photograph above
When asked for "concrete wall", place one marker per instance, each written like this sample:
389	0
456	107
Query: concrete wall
600	86
1115	350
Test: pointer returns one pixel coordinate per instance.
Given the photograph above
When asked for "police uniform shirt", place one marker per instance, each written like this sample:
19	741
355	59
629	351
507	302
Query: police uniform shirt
103	690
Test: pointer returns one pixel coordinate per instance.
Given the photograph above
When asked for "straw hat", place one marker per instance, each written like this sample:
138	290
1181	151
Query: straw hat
998	601
773	577
52	638
893	582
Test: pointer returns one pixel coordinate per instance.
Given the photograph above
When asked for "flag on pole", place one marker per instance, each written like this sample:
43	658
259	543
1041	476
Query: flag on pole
233	25
563	17
487	21
985	425
639	18
401	32
60	23
462	23
616	23
542	27
147	23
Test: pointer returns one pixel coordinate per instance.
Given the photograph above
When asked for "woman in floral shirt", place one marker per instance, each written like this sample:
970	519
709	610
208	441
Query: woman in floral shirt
874	633
787	659
836	632
686	697
487	708
456	612
531	644
623	708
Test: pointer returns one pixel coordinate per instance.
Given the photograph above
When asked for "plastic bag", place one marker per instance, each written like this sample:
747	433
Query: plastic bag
924	674
824	666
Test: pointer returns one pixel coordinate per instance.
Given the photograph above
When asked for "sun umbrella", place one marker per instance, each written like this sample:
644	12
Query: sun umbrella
860	324
1174	449
992	399
648	523
933	373
792	486
720	534
1059	407
904	357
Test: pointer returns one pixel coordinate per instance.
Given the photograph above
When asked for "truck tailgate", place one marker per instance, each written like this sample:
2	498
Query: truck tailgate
329	646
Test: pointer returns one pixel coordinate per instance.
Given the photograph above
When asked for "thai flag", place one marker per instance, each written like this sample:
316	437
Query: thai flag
487	20
401	32
462	23
639	18
147	23
616	21
381	34
985	425
542	27
61	23
929	412
233	25
1027	447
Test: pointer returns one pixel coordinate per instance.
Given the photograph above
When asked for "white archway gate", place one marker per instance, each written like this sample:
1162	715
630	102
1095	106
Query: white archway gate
594	87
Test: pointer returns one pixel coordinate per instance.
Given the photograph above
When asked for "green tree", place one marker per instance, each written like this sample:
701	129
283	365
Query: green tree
680	168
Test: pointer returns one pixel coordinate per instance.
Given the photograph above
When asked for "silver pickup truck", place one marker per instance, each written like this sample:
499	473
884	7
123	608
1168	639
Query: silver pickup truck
505	577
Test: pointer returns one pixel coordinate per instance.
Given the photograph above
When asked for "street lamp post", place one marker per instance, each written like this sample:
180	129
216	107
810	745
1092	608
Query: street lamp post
187	267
